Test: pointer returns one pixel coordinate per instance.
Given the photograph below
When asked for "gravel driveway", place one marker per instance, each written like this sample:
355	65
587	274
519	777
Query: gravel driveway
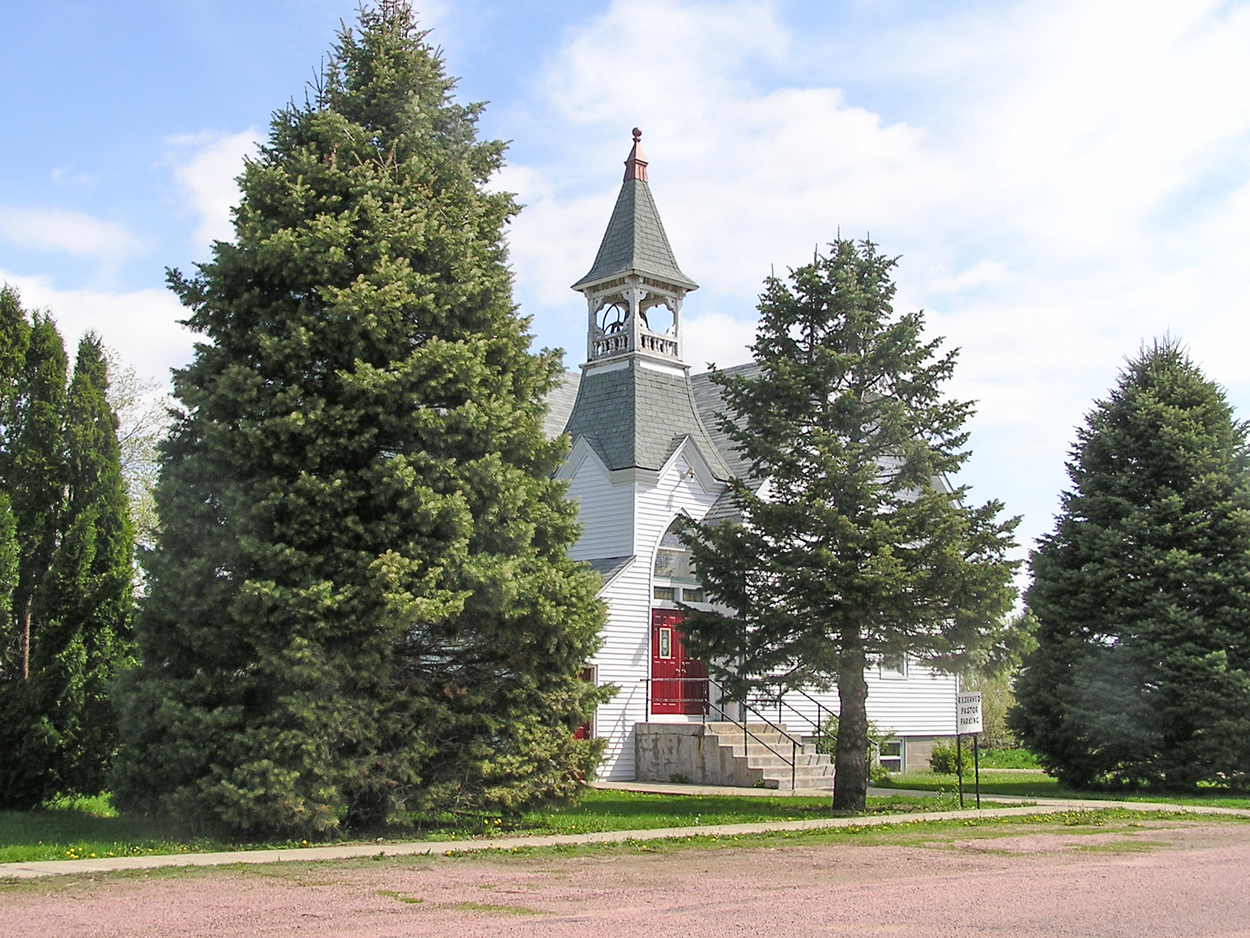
1164	878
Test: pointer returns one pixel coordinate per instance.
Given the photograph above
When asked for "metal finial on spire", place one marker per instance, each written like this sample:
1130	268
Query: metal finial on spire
636	165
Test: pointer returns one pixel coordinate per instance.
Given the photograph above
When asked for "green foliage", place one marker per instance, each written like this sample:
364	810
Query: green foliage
143	419
8	560
1142	592
827	741
857	549
65	564
360	605
947	759
997	698
1008	759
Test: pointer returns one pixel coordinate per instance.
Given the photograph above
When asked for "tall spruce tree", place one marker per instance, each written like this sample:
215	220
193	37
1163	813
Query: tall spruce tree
360	604
33	466
1142	592
65	564
854	549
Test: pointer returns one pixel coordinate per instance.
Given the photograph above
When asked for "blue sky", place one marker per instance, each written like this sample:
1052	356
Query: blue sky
1063	180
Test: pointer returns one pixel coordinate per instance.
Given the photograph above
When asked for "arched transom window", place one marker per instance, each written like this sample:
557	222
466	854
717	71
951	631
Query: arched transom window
673	575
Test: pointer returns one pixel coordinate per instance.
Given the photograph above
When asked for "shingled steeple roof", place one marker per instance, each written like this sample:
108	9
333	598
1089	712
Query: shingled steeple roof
635	242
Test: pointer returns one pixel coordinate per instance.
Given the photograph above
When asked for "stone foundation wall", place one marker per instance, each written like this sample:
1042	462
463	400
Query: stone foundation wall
665	752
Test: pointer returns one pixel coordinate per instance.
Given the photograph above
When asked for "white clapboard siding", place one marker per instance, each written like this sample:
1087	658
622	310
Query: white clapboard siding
921	704
624	660
625	656
605	511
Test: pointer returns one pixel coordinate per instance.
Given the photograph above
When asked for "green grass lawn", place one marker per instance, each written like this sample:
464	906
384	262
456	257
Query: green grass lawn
1037	784
1005	759
91	828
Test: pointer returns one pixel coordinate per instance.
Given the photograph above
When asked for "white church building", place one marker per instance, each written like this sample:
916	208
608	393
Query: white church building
646	449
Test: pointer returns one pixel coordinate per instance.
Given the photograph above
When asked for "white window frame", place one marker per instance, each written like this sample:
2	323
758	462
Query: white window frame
888	672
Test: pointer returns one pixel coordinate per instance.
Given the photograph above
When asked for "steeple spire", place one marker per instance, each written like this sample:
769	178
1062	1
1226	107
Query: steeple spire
635	289
635	405
636	165
635	242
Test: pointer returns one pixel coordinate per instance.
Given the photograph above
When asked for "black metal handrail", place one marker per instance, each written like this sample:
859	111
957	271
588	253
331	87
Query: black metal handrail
818	724
706	701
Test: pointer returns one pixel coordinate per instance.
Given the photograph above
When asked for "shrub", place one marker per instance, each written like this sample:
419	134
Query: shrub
944	759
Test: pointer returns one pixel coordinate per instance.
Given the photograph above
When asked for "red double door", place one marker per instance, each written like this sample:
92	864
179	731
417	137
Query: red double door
678	683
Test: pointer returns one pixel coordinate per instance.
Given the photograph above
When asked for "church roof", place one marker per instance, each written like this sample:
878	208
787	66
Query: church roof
635	242
560	404
710	404
637	417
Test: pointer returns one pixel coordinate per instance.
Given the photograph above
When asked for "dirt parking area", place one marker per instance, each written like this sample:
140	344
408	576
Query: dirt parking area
1160	878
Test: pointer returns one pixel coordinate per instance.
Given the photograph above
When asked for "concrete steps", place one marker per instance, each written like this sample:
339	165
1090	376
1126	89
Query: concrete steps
768	752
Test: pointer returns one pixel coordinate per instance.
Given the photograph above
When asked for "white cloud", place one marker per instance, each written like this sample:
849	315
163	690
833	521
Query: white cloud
206	166
1070	180
69	177
141	325
74	233
716	338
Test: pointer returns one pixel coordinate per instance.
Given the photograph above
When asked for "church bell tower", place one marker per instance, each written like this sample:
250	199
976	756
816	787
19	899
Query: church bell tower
634	289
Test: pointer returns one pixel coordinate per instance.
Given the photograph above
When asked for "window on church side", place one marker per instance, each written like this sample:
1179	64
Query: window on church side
893	666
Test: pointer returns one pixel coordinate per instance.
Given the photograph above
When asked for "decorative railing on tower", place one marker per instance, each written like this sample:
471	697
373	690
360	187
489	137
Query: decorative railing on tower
620	323
660	344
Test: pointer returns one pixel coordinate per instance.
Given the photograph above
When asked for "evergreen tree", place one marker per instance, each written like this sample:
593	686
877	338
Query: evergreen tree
1142	592
85	602
854	550
8	577
32	464
14	336
36	472
360	604
65	567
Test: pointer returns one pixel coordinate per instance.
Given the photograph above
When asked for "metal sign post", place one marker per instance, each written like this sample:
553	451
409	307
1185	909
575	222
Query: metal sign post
959	768
968	720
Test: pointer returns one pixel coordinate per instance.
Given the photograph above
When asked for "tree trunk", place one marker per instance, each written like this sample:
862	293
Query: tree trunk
850	778
24	630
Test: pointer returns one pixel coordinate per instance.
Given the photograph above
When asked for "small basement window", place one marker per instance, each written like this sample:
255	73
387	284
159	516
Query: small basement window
890	755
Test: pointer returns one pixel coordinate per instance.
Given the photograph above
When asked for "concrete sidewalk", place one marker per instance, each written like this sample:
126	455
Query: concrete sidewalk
41	868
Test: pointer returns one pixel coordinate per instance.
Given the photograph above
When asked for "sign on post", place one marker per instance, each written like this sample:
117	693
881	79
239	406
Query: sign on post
968	713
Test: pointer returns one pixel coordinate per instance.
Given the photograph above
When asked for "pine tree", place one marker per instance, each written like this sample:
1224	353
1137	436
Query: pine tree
854	549
1142	592
8	578
33	466
360	605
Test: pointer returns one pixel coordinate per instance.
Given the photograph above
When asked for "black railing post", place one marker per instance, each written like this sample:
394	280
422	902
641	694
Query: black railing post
794	765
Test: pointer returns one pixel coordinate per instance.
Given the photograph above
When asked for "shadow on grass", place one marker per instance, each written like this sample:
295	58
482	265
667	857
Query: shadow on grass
1039	785
89	827
68	831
